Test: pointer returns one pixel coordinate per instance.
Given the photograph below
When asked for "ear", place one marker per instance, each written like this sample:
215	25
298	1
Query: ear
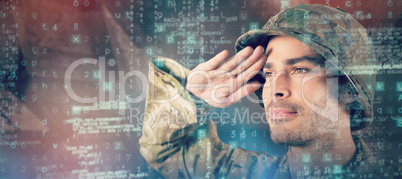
348	94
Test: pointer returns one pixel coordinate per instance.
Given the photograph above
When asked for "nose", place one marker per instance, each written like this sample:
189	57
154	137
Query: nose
281	86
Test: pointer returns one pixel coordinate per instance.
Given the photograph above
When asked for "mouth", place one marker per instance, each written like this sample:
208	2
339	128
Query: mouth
279	115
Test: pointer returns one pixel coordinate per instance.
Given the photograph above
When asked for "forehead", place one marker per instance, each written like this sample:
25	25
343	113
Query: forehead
282	47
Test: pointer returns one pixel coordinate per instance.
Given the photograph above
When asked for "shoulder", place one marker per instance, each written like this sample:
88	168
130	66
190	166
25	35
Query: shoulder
365	164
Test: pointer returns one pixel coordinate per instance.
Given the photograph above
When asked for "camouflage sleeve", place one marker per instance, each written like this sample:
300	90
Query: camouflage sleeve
174	141
178	142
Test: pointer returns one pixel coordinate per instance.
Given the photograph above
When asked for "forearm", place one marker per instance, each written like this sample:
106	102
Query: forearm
178	142
171	117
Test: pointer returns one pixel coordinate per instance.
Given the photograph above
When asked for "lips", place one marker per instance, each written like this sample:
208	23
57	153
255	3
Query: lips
280	115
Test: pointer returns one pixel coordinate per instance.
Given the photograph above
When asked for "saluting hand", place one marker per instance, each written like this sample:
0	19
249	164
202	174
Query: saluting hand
221	82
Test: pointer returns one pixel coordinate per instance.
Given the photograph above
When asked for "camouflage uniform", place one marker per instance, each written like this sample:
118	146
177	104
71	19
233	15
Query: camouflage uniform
173	141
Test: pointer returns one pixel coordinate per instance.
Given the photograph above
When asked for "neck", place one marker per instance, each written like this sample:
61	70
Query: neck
323	155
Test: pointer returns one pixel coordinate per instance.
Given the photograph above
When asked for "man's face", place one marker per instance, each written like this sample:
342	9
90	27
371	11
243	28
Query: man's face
291	120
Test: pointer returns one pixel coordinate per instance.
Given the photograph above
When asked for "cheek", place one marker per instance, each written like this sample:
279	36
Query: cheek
315	90
266	94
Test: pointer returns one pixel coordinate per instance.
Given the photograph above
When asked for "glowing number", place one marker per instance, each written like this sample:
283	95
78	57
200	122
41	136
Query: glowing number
23	109
107	38
390	3
390	14
55	27
369	16
75	3
222	27
86	38
86	3
170	169
86	74
13	145
128	158
232	169
181	14
23	145
75	26
201	158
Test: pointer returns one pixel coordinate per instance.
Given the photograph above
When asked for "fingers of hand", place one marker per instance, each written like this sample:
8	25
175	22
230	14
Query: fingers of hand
225	84
243	91
245	64
221	83
220	76
251	71
223	95
234	61
215	61
199	81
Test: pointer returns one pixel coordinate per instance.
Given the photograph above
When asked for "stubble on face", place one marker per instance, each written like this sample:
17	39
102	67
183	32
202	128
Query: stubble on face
312	127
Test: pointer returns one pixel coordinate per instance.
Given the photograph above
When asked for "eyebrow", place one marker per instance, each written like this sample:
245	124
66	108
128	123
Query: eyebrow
319	60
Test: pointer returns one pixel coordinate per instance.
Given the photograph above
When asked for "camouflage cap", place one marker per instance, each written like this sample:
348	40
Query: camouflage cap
332	33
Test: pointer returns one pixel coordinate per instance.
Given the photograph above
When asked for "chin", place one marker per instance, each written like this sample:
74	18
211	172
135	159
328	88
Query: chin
282	136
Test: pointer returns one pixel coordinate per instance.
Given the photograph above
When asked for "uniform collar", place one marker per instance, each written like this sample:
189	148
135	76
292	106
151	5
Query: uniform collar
361	155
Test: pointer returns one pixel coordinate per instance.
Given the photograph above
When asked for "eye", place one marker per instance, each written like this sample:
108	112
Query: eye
268	74
300	70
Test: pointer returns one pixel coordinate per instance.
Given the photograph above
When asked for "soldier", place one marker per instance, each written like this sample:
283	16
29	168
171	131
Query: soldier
302	66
